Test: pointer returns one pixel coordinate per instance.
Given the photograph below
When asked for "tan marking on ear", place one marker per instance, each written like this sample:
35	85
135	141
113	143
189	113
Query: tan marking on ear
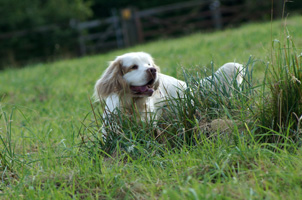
157	82
111	81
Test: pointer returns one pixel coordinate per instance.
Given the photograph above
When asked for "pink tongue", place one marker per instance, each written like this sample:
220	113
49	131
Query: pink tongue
139	88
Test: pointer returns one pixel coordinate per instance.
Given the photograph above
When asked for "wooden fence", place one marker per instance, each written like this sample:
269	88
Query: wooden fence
130	26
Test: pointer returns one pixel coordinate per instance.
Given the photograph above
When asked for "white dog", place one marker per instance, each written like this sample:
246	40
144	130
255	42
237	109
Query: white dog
133	80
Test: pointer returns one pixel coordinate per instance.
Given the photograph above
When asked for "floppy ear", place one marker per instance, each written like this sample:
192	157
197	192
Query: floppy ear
157	81
156	67
111	81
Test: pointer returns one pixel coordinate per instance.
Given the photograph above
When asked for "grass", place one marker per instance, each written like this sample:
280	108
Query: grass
287	74
48	145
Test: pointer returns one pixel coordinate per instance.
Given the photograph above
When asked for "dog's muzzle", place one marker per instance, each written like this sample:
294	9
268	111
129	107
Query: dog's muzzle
146	90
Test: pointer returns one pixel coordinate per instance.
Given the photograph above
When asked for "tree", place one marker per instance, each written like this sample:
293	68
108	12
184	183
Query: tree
18	15
26	16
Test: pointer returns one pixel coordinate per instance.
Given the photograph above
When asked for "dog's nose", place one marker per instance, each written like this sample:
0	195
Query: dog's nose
152	70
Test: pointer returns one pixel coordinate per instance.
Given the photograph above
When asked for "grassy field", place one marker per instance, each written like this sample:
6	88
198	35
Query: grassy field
43	107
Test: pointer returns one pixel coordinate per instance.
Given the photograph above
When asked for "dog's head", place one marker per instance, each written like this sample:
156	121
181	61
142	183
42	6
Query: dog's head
132	74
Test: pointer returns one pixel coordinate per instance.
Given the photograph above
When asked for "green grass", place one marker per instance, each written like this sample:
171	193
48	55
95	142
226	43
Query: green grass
43	108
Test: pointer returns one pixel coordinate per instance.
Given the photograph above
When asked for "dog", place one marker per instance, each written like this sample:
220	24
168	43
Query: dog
133	80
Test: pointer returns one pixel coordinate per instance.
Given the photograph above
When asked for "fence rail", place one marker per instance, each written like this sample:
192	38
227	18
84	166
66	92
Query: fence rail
177	6
130	26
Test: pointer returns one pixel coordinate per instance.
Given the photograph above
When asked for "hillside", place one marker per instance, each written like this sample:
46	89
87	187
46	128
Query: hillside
49	101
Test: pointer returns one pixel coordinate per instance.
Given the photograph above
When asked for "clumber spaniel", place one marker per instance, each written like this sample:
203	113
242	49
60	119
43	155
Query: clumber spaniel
133	80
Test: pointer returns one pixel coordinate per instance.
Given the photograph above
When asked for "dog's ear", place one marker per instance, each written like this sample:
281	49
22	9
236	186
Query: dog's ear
156	67
157	81
111	81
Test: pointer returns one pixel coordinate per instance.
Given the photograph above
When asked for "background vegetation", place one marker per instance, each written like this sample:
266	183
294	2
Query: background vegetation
37	30
44	107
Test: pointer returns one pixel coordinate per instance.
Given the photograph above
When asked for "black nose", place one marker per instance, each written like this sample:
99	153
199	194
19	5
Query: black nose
152	70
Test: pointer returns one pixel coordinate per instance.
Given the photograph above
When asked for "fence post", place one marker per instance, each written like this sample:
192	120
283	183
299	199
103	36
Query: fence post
118	29
279	8
216	14
130	27
74	25
83	50
139	28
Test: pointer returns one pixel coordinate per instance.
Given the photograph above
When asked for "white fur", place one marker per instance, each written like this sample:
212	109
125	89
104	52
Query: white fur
224	76
143	61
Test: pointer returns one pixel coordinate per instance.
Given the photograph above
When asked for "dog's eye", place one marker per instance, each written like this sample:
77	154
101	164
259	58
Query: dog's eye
134	67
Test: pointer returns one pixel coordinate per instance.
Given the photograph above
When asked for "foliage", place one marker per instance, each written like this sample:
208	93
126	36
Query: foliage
37	30
19	15
28	15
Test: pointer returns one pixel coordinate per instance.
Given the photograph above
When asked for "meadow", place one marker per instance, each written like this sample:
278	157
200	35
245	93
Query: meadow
46	117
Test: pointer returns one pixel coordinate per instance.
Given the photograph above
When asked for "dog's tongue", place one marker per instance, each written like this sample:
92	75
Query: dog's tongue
139	88
142	90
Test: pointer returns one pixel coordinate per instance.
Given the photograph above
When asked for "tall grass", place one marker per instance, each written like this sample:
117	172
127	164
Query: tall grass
271	109
234	151
186	120
282	108
8	157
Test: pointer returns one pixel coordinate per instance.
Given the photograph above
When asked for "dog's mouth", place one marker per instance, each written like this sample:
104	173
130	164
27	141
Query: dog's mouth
144	90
